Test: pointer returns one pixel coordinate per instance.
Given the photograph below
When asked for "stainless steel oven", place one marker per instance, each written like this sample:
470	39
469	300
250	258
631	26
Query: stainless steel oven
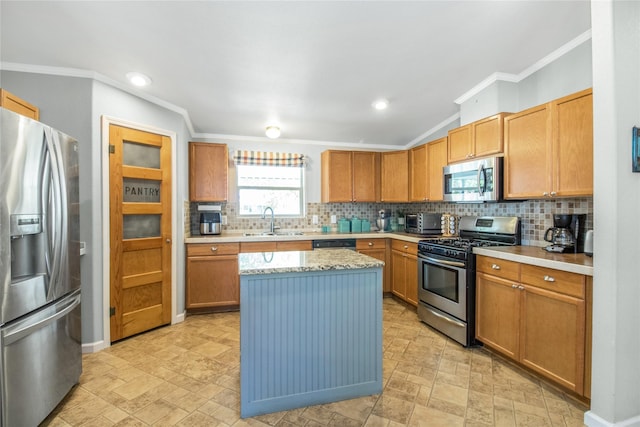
446	274
443	284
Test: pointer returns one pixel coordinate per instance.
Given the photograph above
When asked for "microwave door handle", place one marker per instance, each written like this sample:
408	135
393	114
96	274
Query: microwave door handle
481	174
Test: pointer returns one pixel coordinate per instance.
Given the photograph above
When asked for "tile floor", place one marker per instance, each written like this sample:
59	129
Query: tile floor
188	375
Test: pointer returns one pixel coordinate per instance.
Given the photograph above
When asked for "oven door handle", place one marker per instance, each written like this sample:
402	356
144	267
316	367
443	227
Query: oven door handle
455	322
443	262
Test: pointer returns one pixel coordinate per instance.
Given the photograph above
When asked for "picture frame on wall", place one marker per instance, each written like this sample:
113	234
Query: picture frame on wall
635	150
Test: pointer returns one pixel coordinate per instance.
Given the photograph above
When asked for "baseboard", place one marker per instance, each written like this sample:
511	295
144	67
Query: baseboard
94	347
179	318
592	420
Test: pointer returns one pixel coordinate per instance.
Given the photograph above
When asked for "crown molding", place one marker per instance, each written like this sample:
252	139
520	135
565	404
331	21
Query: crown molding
517	78
80	73
208	137
433	130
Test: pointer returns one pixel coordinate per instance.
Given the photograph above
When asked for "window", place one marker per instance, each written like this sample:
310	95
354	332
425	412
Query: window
273	180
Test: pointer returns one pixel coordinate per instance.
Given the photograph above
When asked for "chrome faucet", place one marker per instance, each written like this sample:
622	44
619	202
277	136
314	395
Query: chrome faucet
264	215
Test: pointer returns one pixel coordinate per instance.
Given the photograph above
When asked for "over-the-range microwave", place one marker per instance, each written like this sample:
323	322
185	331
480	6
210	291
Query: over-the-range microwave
474	181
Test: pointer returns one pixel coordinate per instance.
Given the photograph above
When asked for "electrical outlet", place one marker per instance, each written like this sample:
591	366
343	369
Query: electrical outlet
314	219
333	219
224	220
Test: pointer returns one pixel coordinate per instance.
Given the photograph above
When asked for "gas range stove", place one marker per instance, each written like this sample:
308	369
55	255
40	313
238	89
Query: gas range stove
474	232
457	248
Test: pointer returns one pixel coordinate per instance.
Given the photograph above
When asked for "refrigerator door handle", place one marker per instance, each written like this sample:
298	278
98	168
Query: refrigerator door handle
55	213
45	195
10	336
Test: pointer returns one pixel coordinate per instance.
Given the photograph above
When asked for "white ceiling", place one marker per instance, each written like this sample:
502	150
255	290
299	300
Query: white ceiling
314	68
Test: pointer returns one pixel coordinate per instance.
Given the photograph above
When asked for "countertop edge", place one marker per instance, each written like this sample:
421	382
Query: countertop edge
239	237
537	261
308	262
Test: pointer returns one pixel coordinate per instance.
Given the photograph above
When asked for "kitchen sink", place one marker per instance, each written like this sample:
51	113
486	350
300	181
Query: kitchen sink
276	234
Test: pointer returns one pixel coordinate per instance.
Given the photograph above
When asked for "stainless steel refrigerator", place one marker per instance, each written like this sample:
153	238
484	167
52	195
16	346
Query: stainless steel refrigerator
40	340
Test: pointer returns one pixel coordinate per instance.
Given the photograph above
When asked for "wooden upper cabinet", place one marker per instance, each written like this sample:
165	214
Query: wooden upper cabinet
572	124
349	176
478	139
18	105
419	173
527	167
425	171
366	166
549	149
460	144
394	181
208	172
437	160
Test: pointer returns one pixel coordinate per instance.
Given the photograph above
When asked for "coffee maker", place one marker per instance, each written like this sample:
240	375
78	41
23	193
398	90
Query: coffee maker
567	234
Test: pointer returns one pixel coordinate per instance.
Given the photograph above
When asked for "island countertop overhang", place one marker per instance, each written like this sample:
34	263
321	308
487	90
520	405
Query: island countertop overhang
304	261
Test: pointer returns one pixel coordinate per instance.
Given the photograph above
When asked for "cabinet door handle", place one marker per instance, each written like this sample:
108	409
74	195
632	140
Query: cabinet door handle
545	194
406	247
514	286
549	279
168	240
214	248
521	287
553	193
495	267
370	244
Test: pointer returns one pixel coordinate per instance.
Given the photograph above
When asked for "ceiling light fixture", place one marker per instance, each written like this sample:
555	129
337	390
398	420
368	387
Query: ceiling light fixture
138	79
272	132
380	104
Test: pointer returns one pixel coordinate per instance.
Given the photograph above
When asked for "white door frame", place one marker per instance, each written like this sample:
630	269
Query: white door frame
106	259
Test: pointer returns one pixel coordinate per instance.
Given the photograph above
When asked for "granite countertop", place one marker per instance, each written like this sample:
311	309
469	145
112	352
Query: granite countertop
535	255
237	236
303	261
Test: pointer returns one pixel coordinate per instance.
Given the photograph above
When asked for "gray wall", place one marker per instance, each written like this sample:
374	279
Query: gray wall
75	106
567	74
65	104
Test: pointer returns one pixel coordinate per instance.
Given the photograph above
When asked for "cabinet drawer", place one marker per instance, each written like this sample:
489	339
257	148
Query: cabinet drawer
554	280
498	267
406	247
362	244
294	245
247	247
203	249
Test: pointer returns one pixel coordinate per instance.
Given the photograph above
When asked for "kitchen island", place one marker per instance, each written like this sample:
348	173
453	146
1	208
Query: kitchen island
310	328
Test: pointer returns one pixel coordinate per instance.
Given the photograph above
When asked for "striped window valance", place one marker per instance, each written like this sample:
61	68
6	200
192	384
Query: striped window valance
264	158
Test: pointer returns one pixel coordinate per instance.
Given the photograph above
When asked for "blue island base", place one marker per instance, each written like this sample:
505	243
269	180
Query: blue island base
309	338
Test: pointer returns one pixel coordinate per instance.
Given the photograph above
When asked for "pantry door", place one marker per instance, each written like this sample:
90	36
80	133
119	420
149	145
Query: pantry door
140	230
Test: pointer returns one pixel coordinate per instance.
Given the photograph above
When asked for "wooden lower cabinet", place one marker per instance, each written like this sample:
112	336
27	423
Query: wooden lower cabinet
212	276
552	336
538	318
212	271
404	271
377	248
497	313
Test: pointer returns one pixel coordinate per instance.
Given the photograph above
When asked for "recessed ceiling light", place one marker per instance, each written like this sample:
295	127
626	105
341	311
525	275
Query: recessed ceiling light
272	132
138	79
380	104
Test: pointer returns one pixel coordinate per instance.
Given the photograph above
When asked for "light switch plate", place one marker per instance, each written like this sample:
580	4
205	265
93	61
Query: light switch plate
314	219
224	219
333	219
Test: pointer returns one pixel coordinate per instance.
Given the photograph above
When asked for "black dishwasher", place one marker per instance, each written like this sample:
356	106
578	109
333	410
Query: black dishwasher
335	244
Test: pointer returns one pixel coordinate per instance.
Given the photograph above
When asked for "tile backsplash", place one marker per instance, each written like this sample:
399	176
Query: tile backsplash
536	215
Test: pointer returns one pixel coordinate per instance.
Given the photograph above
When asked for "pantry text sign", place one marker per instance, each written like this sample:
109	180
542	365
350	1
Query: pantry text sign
141	190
